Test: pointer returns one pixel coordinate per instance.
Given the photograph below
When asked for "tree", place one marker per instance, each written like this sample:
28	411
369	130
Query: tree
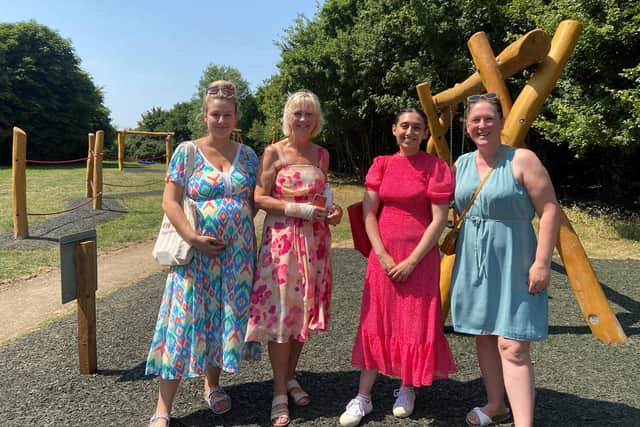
364	58
44	91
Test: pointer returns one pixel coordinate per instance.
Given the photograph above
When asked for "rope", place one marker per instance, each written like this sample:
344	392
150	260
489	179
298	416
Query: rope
56	162
86	202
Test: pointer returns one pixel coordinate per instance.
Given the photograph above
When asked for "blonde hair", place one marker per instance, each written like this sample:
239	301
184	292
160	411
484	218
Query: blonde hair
299	99
222	84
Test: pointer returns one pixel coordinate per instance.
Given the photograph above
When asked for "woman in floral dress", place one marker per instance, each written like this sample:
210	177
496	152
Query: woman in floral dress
203	313
292	287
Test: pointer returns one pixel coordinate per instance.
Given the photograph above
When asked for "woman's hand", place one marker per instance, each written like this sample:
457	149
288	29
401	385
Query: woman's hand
209	246
319	214
386	262
335	215
539	278
401	271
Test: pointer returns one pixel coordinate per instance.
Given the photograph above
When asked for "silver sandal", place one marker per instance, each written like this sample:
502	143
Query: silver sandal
213	401
159	416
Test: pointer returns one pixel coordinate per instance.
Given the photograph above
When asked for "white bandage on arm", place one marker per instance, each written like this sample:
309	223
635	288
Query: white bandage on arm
299	210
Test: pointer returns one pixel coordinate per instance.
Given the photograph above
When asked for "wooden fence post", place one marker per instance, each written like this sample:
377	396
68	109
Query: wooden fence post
168	149
86	273
19	184
90	162
121	137
97	171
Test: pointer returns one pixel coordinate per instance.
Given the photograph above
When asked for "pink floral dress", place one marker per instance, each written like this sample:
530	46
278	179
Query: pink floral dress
292	283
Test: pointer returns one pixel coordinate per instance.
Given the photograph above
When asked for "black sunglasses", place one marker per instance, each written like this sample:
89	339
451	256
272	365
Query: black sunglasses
491	97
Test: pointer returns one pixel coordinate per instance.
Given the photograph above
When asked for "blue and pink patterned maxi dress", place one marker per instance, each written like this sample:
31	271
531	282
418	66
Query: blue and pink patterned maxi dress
204	310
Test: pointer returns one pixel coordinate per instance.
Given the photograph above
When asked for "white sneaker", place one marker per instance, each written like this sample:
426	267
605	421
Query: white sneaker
403	406
356	410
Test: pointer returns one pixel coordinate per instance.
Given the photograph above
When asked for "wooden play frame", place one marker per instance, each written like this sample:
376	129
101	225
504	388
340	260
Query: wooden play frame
122	135
551	56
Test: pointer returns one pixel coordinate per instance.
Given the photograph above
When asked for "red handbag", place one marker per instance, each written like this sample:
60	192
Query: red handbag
356	218
358	231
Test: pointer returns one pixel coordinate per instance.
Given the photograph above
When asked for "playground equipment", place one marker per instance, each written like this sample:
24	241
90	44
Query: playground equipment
236	136
168	144
551	57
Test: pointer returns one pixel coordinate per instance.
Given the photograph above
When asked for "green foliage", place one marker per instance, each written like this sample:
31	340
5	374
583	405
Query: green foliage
44	91
364	58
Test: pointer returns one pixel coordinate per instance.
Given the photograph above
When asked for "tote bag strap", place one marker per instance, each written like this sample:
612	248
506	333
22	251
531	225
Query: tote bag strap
475	194
191	158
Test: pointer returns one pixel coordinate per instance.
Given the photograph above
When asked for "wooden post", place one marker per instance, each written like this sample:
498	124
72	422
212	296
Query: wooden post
86	274
19	184
97	171
437	131
487	66
527	50
90	162
529	102
446	269
121	137
168	149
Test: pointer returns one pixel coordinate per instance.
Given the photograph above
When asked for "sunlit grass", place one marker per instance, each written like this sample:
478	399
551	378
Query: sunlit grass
48	188
606	234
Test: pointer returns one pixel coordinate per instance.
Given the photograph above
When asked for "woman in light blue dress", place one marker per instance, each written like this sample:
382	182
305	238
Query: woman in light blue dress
499	281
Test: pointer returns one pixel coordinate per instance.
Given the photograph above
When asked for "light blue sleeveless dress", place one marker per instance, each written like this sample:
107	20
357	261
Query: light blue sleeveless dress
495	249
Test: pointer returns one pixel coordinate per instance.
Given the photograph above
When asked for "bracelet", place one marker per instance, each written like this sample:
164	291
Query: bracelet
299	210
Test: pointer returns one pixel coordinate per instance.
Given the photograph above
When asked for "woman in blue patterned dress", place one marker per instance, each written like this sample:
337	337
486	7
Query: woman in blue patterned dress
204	311
501	273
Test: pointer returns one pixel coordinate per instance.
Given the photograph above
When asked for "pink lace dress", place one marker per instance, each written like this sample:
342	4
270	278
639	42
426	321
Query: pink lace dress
292	284
401	332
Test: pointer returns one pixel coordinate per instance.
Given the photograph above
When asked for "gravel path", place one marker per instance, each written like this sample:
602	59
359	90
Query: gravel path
580	381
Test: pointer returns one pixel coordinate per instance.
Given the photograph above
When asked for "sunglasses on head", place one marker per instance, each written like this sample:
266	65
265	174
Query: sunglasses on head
491	97
225	91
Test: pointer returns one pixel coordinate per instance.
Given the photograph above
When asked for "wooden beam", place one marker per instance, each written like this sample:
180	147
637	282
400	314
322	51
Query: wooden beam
146	132
528	50
490	73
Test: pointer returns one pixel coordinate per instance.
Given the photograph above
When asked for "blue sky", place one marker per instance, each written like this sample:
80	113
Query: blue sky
152	54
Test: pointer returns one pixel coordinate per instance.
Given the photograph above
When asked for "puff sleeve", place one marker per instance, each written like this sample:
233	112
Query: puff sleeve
178	165
441	183
376	172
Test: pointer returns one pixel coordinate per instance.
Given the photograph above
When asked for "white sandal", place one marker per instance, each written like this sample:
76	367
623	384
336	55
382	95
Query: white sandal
213	401
299	396
280	409
159	416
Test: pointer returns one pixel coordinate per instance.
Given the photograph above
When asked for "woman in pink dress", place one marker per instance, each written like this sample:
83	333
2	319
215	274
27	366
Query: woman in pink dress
292	286
400	332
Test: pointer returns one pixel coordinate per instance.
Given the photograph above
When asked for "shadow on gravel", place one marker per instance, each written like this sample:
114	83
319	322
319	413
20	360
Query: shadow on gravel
446	403
45	234
126	375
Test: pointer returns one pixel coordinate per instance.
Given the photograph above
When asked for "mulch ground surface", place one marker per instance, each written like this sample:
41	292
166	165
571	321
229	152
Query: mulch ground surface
580	381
